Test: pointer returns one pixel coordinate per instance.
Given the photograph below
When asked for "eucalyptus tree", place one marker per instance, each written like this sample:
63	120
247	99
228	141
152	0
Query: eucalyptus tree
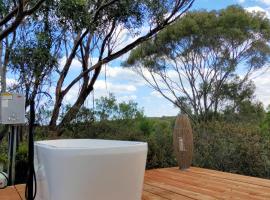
12	14
34	57
93	33
192	62
33	64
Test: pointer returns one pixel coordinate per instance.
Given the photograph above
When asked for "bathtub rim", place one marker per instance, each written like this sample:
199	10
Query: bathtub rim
131	146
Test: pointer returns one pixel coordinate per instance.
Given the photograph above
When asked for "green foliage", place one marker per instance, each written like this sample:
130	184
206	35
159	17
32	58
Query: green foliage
21	160
146	126
21	163
232	147
237	147
95	16
202	30
33	60
207	52
5	6
2	7
107	108
43	115
157	133
33	57
265	124
237	90
84	115
245	111
160	148
129	110
3	152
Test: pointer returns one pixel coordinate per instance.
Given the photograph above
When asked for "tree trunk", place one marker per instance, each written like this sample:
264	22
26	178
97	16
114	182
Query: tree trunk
80	100
59	94
56	111
4	72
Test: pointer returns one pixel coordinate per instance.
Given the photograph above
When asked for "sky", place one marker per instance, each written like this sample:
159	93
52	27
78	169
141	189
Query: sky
127	85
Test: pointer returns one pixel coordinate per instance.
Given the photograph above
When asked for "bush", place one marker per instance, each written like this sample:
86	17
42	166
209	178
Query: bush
160	147
3	153
157	133
238	148
226	146
21	164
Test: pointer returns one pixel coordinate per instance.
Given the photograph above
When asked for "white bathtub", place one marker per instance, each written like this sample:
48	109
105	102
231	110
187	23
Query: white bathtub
86	169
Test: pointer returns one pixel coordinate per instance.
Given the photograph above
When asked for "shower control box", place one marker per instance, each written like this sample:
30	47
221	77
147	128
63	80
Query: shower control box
12	108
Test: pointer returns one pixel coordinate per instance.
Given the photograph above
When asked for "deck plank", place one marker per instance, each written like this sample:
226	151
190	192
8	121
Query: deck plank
192	184
21	191
214	183
231	176
164	193
9	193
150	196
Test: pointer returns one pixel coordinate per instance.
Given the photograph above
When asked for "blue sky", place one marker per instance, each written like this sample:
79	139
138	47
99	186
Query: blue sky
218	4
126	85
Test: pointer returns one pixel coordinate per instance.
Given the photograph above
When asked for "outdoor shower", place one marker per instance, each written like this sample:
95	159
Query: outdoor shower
12	114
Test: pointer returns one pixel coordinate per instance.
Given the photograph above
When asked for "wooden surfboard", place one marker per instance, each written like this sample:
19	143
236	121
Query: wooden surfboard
183	141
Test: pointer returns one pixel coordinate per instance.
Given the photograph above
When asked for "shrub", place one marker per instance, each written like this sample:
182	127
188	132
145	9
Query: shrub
21	164
238	148
226	146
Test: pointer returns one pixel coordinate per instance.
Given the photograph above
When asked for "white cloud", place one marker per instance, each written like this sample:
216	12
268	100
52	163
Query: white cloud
72	95
119	72
241	1
261	79
159	107
11	82
114	87
126	98
156	94
123	36
103	88
76	64
267	2
122	74
258	9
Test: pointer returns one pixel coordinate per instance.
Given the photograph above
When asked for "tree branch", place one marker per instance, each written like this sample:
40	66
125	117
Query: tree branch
18	19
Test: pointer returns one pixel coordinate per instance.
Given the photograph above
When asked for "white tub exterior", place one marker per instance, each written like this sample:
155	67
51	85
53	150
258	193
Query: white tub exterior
86	169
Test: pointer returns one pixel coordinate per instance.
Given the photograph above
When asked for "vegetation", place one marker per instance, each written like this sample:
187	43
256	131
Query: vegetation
202	63
12	14
74	30
236	144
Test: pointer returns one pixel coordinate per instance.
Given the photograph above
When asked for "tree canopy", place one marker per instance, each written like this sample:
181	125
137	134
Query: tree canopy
204	60
12	14
86	31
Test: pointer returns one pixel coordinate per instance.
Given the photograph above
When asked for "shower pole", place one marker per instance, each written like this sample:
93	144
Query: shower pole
30	190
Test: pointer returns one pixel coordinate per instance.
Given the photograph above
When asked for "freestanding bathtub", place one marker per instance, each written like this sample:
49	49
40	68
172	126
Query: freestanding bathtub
86	169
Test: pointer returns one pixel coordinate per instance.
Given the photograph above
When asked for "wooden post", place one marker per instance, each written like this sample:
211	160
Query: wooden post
183	141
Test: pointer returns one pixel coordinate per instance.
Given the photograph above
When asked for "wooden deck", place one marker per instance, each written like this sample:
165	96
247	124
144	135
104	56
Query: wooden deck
194	183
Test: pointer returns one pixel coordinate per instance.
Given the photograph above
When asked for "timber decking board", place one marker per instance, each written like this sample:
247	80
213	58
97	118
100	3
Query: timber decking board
192	184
